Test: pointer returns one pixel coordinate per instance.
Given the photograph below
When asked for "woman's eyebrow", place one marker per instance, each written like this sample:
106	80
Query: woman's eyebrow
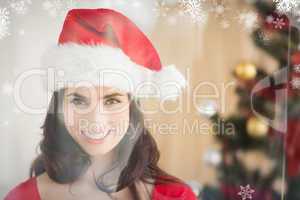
112	95
77	95
105	96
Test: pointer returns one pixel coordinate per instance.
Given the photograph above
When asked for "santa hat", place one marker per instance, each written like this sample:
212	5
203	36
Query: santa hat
103	47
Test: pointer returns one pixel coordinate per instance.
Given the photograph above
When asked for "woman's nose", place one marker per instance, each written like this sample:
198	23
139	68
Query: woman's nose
98	121
98	115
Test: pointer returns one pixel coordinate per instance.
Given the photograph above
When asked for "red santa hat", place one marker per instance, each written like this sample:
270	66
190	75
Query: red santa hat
103	47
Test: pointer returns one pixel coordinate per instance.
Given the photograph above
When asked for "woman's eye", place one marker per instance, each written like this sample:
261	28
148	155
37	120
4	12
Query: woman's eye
78	102
112	101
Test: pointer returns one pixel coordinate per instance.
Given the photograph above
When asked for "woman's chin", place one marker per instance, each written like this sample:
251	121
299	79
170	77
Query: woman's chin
96	150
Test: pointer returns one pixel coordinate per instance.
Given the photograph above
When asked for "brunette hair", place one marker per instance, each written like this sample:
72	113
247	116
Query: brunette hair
64	160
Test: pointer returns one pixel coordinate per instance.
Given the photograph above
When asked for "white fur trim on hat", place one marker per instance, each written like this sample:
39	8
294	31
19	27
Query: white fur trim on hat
108	66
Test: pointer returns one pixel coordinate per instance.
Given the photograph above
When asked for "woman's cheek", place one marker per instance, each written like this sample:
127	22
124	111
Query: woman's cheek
70	115
76	122
120	123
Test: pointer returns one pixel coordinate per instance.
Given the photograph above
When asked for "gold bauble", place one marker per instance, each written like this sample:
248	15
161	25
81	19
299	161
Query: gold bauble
257	128
246	71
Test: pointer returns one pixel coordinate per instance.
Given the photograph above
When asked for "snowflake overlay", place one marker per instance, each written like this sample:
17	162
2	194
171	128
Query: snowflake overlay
278	23
194	8
161	8
20	6
57	8
249	19
295	83
4	22
246	192
286	6
218	8
7	89
297	68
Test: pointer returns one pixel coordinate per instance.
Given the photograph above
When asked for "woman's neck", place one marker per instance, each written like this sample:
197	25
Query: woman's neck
99	165
85	185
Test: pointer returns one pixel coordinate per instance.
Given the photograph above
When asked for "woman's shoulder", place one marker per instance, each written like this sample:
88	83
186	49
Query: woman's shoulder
177	190
24	190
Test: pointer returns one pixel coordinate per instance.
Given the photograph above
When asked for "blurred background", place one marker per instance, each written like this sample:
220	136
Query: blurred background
218	145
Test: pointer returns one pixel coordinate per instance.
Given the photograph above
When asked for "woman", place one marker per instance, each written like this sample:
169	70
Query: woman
95	144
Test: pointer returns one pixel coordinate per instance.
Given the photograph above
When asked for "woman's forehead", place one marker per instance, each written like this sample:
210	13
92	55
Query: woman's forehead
95	90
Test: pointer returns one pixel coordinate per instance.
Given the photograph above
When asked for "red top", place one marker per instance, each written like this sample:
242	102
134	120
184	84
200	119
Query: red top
28	190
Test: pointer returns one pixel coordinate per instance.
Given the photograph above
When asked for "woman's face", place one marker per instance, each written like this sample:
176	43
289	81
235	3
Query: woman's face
96	117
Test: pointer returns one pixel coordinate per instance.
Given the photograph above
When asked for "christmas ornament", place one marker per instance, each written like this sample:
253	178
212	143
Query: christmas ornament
279	185
268	93
292	147
257	128
295	58
276	21
246	71
264	164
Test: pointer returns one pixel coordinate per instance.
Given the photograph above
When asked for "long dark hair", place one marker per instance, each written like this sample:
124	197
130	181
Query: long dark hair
64	160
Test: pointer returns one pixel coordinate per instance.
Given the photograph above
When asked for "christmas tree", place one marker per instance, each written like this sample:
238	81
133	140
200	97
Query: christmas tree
261	158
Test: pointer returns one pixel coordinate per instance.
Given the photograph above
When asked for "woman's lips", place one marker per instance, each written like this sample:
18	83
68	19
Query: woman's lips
93	140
